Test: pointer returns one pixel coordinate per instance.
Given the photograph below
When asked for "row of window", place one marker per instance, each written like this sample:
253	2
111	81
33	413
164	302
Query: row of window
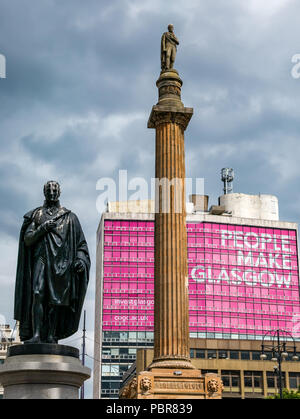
205	226
144	337
204	230
115	289
254	380
234	354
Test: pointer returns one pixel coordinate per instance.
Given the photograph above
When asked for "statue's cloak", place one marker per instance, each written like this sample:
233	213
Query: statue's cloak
61	248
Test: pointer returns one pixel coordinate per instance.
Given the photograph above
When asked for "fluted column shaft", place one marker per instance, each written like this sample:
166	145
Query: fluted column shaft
171	337
170	118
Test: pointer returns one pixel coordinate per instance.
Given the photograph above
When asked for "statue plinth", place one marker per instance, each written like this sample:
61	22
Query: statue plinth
169	88
164	383
42	371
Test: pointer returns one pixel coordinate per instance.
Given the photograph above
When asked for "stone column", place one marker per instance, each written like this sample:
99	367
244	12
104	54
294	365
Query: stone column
171	323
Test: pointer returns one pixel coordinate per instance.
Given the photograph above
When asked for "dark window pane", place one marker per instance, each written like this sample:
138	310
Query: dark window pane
223	354
293	382
248	381
115	385
257	382
256	355
235	381
234	355
211	354
269	355
200	353
226	381
245	355
271	382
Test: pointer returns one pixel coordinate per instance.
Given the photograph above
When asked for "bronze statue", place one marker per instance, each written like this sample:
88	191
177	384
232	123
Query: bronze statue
52	271
169	44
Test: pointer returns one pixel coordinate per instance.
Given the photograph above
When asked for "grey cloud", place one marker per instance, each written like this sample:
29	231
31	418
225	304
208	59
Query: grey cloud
96	63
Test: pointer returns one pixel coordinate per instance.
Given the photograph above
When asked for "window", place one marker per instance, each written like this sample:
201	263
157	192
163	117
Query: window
253	381
231	381
211	354
245	355
114	352
200	353
294	378
115	385
223	354
273	380
234	354
105	370
256	355
124	368
114	370
123	352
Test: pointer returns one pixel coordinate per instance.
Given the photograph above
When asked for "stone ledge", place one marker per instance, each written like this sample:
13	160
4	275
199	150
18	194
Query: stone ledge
42	349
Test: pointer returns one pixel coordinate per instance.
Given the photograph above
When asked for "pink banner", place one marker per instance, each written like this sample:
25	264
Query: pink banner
242	279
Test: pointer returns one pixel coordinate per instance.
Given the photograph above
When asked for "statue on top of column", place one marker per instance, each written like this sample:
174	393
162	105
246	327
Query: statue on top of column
169	44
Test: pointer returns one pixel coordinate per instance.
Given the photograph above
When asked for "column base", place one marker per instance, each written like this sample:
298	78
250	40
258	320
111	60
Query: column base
173	384
42	371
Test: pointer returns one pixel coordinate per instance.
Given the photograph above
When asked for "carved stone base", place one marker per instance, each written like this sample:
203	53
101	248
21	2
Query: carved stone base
173	384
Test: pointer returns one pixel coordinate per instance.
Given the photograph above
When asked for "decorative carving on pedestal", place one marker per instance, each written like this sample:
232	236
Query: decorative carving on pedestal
214	385
130	390
164	90
146	385
133	385
167	115
125	393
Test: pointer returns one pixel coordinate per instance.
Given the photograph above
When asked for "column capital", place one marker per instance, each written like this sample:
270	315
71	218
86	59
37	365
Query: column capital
170	114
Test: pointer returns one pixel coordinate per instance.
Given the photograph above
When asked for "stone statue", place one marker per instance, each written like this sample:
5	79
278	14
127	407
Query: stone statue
169	44
52	271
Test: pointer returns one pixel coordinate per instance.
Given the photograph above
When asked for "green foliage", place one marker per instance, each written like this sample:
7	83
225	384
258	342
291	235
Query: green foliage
287	394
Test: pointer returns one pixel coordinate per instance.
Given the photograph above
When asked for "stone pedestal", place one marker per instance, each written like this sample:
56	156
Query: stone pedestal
164	383
42	371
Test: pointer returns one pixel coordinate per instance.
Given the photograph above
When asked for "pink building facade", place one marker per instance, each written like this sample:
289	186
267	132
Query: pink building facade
243	282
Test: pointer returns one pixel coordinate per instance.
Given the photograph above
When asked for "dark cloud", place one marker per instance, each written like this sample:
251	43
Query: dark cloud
81	83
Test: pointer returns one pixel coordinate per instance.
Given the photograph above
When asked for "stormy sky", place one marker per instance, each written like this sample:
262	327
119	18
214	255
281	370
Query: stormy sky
80	84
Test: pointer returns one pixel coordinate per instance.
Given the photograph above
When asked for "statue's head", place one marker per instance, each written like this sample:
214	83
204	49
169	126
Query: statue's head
52	191
170	27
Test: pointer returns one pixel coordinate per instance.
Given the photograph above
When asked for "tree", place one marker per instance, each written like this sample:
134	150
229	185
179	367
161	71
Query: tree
287	394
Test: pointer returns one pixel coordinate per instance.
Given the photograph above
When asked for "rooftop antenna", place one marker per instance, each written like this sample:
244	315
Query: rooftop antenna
227	176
